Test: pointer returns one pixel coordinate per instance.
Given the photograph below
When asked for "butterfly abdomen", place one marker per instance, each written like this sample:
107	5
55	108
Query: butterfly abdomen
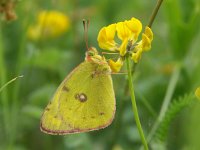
101	69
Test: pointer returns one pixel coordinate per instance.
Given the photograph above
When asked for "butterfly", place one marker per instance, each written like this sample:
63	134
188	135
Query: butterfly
84	101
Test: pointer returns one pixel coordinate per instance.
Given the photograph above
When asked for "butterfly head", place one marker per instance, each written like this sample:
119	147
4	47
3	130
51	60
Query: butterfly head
92	55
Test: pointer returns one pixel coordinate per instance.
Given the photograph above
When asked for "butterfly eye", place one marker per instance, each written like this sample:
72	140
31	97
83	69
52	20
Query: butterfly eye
90	53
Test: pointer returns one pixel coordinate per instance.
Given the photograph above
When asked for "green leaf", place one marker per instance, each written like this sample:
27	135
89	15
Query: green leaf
175	107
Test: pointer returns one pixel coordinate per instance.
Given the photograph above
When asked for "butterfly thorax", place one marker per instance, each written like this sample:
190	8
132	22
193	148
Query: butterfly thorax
100	62
101	69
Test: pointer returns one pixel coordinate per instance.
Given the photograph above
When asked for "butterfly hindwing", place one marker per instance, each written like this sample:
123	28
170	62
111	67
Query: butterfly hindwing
83	102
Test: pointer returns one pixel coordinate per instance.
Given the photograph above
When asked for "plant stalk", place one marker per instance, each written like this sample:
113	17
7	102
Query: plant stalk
4	94
134	106
155	12
9	82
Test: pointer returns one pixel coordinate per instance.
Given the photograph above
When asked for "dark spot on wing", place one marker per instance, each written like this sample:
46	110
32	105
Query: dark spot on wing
66	89
69	125
92	117
105	69
81	97
93	75
47	109
101	113
76	96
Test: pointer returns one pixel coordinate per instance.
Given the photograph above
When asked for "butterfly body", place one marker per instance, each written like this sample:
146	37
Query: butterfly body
84	101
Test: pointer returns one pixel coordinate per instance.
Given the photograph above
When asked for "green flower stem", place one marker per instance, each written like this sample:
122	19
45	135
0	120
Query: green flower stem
154	14
134	106
16	99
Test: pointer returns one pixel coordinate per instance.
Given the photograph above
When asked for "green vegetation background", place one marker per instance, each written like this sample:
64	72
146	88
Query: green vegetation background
45	64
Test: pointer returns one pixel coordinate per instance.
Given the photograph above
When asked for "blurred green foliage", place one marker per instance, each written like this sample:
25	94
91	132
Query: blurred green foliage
45	63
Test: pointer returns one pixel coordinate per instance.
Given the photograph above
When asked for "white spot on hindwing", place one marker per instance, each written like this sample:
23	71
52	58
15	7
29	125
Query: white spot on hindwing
81	97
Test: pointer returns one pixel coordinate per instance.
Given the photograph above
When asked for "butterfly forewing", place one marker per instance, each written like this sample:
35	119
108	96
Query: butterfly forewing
83	102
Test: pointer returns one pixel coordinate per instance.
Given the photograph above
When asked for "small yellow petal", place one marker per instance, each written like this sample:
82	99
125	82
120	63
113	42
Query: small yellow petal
110	31
115	66
148	33
102	38
123	32
135	26
146	43
136	56
197	93
123	47
106	37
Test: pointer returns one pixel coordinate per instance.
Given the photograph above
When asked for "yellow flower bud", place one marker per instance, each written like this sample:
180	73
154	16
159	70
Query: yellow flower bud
197	93
148	32
115	66
123	47
136	56
146	43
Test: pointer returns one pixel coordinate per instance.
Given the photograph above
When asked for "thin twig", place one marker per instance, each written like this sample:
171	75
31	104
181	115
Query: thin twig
6	84
154	14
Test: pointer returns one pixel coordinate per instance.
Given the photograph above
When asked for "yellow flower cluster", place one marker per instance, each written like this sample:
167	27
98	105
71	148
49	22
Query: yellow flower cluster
197	93
127	32
49	24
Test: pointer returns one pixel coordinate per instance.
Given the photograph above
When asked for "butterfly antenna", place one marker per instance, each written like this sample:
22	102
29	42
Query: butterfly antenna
85	26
